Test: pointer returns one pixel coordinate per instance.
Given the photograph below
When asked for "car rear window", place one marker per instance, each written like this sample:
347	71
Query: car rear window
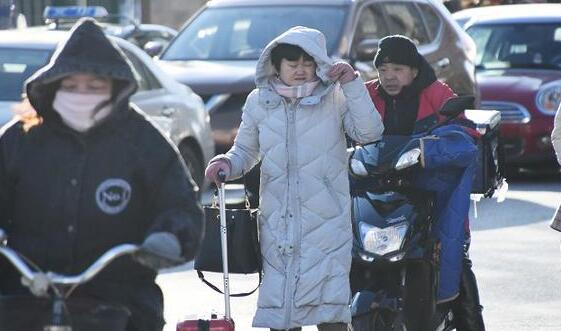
405	19
241	33
16	65
517	45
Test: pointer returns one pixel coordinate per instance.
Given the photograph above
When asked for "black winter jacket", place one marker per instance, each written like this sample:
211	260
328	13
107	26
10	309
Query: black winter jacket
66	197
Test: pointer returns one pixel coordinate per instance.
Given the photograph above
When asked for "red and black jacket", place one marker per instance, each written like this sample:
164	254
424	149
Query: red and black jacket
415	103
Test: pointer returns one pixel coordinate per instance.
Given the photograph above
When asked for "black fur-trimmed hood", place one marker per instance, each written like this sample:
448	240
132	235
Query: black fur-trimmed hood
87	50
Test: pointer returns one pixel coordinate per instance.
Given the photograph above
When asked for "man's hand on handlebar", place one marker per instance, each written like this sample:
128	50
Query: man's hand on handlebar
160	250
39	285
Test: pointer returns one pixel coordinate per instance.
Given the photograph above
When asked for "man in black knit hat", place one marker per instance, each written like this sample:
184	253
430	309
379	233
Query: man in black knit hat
408	96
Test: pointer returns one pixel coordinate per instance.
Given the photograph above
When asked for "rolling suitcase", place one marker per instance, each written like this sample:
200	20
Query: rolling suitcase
215	324
212	324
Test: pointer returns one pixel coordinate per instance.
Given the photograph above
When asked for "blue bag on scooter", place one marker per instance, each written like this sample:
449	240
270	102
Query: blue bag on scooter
448	160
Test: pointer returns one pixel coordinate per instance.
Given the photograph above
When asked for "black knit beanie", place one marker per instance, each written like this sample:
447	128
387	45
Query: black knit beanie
397	49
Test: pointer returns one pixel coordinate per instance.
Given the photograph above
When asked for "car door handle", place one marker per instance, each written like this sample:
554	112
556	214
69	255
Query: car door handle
168	111
443	63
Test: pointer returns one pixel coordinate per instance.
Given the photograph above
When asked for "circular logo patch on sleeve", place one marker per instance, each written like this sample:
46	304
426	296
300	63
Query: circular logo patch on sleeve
113	195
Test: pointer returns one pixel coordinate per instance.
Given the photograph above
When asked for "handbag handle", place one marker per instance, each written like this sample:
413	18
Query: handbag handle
237	295
214	202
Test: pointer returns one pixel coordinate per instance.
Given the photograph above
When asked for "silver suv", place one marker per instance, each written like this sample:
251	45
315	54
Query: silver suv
216	51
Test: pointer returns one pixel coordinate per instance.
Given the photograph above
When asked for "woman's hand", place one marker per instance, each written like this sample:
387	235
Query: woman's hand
342	72
216	168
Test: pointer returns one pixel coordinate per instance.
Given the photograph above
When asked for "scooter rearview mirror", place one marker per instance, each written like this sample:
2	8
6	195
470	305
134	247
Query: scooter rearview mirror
456	105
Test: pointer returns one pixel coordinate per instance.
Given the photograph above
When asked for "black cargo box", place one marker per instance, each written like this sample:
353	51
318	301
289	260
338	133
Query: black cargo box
489	169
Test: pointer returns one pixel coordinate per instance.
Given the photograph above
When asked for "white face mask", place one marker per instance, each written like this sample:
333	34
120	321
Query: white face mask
77	109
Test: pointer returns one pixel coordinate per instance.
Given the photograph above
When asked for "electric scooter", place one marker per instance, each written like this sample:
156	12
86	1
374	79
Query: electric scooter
394	273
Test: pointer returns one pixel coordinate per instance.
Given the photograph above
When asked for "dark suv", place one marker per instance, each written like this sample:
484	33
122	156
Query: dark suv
216	51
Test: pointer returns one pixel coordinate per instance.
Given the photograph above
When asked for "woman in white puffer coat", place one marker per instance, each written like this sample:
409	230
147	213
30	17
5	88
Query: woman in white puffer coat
556	141
295	122
556	135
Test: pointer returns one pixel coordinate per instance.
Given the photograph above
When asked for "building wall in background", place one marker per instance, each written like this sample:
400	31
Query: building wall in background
33	10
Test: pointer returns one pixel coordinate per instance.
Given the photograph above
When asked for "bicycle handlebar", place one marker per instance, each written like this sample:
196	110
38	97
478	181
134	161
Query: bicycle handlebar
96	267
59	279
18	262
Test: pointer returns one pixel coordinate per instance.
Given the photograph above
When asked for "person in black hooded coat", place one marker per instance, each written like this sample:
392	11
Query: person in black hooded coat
94	173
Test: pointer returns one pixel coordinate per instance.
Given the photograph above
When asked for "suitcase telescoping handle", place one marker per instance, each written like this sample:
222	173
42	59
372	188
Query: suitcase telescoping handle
224	242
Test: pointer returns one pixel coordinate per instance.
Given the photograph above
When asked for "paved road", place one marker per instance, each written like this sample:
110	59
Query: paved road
516	258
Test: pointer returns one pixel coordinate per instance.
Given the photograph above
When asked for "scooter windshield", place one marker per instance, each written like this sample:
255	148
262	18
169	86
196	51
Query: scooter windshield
381	156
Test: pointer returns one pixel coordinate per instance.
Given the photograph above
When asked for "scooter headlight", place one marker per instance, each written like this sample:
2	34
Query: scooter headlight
382	241
408	159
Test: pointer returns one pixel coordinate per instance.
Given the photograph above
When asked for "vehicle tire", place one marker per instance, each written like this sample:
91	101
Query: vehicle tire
375	321
194	163
364	322
420	296
389	322
379	323
398	326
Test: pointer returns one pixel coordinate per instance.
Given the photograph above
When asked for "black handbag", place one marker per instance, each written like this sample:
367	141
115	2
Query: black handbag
244	253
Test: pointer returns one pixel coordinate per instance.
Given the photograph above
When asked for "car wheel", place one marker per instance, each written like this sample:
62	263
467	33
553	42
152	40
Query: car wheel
194	163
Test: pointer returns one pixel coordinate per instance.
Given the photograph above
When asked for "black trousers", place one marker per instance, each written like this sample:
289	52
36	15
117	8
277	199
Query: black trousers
466	308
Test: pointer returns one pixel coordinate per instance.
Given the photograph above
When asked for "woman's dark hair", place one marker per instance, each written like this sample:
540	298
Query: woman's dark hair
288	52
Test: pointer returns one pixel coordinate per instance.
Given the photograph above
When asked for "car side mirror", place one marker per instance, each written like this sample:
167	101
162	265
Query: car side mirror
366	50
153	48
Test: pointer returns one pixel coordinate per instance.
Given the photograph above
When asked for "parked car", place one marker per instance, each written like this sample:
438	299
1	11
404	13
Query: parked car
178	112
142	34
64	17
216	51
519	73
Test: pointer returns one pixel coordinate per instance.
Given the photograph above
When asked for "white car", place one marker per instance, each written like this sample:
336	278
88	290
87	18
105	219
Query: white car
177	110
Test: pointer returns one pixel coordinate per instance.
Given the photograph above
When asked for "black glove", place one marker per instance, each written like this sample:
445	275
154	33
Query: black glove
160	250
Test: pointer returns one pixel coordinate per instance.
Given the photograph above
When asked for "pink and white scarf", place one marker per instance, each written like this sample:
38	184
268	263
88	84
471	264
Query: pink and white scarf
299	91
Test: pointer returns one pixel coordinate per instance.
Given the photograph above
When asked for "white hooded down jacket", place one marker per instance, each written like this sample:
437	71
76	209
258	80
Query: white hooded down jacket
556	135
305	228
